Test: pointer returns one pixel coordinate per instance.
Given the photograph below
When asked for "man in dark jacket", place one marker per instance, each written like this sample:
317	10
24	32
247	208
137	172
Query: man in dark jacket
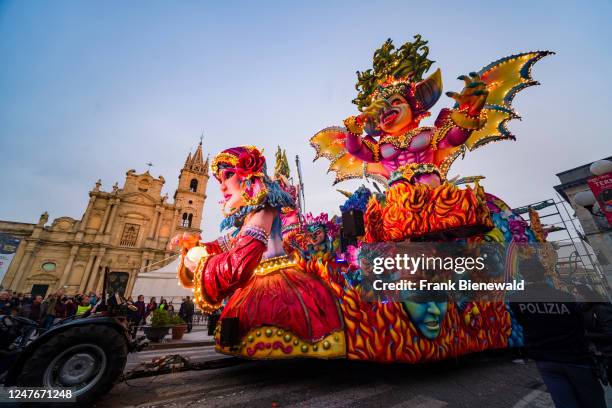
186	313
5	303
33	311
140	310
553	325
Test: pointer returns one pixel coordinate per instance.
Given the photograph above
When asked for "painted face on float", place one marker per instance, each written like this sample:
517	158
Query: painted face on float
396	117
426	316
316	235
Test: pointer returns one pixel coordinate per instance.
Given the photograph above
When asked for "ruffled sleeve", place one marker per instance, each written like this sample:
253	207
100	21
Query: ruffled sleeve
224	272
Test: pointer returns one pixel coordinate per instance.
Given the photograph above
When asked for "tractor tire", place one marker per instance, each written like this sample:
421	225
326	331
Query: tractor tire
89	359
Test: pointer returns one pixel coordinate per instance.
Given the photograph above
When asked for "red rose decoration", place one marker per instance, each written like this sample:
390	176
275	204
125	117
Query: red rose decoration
250	162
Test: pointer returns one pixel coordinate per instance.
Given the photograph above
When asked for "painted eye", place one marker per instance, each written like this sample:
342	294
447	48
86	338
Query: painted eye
396	102
228	175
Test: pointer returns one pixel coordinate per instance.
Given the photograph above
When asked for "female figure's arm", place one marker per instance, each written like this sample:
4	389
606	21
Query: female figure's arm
221	274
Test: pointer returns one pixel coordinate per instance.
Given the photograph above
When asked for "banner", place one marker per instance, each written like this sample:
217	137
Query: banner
601	186
8	247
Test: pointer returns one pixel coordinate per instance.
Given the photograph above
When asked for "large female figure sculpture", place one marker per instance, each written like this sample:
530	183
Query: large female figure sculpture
282	310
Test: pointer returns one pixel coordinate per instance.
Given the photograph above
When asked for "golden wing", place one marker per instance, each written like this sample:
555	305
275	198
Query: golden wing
504	78
331	144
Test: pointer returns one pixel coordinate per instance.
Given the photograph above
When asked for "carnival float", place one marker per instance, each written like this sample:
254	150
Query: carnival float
290	283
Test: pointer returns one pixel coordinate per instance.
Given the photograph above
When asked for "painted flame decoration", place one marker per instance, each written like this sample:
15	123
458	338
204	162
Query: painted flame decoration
413	210
384	332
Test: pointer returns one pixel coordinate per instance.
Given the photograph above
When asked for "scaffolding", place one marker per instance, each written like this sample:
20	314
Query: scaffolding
576	259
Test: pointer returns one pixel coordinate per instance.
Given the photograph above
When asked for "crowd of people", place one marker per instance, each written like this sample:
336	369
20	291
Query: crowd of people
46	311
58	305
141	311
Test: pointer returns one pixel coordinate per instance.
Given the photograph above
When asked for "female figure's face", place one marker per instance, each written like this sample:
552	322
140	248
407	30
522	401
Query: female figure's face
230	189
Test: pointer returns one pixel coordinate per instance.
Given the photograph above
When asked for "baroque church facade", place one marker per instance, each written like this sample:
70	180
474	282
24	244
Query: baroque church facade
121	233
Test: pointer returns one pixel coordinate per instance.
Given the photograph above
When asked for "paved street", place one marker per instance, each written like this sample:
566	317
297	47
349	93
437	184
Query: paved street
193	354
483	380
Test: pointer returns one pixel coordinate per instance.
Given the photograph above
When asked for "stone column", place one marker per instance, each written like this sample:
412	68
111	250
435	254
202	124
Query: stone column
174	223
11	277
112	216
95	270
153	231
24	268
100	283
107	212
87	271
92	199
68	267
143	262
131	281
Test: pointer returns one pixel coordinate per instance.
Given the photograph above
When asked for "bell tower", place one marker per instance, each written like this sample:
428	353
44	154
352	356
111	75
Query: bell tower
191	192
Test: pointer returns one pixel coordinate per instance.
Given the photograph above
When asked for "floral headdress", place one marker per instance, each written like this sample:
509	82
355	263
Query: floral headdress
400	71
258	190
322	220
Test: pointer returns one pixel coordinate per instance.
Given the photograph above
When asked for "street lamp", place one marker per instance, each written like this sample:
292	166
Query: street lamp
585	199
601	167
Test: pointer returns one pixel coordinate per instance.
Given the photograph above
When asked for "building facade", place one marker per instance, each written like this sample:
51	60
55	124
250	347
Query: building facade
122	232
597	231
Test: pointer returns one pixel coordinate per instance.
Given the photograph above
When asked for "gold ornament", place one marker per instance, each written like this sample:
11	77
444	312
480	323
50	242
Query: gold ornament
353	126
274	264
199	295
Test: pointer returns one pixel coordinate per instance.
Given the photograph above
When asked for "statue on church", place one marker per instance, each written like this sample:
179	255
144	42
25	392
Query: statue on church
44	217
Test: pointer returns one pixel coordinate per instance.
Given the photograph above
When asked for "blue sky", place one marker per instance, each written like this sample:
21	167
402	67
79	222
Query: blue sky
89	89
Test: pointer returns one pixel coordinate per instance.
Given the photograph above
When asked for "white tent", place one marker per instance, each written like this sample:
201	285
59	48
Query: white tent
160	283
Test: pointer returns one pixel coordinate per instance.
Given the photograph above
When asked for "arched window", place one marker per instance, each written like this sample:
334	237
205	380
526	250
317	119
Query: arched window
185	221
193	186
190	219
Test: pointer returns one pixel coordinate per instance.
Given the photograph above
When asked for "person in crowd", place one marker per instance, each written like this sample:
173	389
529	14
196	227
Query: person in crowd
33	310
163	304
5	303
93	298
141	311
151	306
597	311
170	308
71	307
186	313
60	308
181	312
49	309
131	310
17	300
84	307
553	327
140	314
